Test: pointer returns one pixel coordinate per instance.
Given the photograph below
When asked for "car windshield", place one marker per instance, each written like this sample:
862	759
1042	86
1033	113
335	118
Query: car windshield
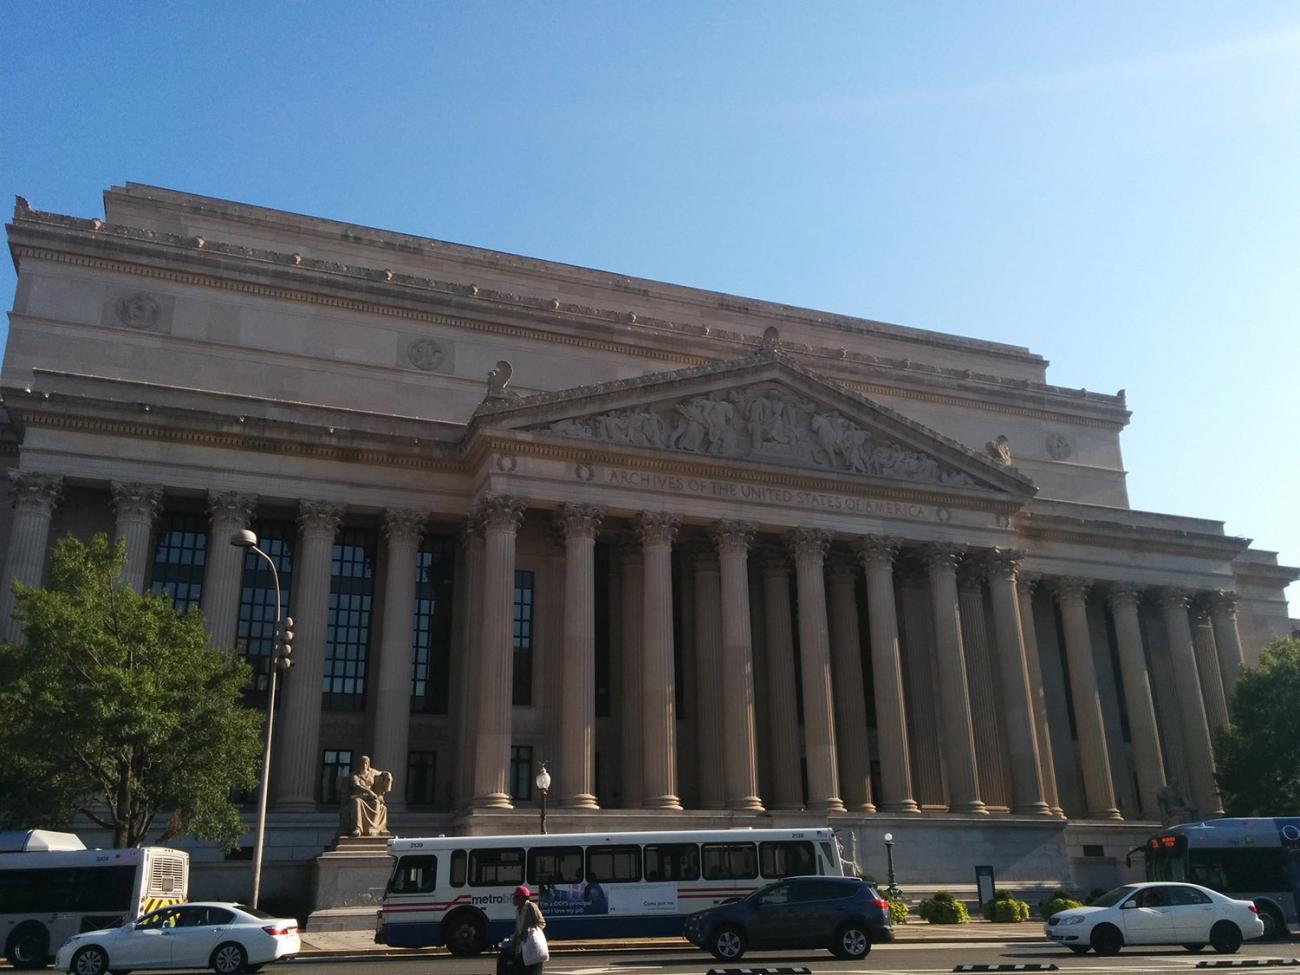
261	915
1113	897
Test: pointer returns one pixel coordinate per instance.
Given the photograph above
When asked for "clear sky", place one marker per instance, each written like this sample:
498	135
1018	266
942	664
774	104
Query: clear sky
1114	185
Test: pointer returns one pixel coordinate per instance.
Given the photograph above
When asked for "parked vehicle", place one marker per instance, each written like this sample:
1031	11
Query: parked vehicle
842	914
1157	914
228	938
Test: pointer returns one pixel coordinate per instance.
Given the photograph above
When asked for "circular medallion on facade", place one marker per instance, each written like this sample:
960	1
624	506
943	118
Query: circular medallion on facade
943	514
1058	447
139	310
425	354
585	472
505	463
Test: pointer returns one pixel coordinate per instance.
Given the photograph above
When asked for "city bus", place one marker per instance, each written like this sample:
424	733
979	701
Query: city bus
52	887
1254	859
456	890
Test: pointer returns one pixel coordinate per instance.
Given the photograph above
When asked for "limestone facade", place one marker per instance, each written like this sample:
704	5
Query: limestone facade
715	560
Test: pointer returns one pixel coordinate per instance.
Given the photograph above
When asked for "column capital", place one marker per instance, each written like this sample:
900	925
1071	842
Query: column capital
231	509
732	536
402	524
629	549
773	561
657	527
876	548
134	498
320	516
1028	582
1123	595
1199	607
500	512
1069	589
471	530
1004	563
1224	603
841	565
940	555
1173	599
808	542
970	572
579	520
35	492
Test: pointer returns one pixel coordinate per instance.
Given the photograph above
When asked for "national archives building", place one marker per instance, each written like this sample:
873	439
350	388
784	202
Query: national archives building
716	561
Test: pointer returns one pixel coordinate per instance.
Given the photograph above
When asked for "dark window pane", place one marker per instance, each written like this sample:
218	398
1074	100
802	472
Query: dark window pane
496	868
347	639
334	766
179	557
421	776
729	861
672	861
414	875
613	864
255	635
521	772
555	865
787	859
435	570
459	867
523	630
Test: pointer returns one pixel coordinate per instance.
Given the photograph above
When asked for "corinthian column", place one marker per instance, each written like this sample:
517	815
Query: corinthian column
809	547
877	555
1145	735
787	782
495	693
1223	613
1013	674
981	675
297	763
1207	665
34	497
708	676
1037	695
1191	704
850	692
954	692
464	668
136	506
1098	788
733	539
657	530
630	684
223	576
393	700
580	523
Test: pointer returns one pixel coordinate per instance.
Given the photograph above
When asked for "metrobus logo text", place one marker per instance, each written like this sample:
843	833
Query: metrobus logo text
488	899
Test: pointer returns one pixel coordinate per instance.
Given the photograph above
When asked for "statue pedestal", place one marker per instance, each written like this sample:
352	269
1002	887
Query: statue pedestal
349	880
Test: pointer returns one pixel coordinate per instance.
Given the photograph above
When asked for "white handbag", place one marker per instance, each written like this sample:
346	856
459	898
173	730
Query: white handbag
535	948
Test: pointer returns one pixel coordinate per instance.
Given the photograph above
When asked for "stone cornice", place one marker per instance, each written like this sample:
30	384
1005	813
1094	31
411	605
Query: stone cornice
1031	525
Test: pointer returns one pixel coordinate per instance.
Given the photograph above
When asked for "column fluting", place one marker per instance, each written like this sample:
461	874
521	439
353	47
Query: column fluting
631	679
708	675
982	678
733	539
1191	702
464	669
657	530
223	575
135	506
1026	584
34	498
1207	665
580	523
850	695
787	781
1147	756
1227	638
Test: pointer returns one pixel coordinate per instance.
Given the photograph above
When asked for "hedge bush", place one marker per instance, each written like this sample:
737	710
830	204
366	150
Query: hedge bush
1057	901
1005	909
898	911
943	908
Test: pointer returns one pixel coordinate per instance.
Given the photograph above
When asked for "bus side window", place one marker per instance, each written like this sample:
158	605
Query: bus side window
672	861
791	858
729	861
613	864
459	865
415	875
501	867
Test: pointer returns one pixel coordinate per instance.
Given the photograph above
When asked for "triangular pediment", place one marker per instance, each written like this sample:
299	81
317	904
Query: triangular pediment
765	410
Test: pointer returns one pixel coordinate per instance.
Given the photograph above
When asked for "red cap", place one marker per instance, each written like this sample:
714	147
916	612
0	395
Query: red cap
522	891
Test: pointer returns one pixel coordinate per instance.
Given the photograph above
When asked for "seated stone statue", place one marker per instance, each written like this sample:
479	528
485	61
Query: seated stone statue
363	812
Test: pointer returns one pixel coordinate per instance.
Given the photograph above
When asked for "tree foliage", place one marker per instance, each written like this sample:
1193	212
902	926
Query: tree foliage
115	708
1259	774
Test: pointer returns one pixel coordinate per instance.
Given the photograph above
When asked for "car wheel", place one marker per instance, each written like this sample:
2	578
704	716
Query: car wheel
1199	946
851	942
727	944
89	961
1274	926
1225	937
29	947
466	936
1106	940
229	959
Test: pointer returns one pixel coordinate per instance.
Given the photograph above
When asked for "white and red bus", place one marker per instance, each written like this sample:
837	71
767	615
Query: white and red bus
456	890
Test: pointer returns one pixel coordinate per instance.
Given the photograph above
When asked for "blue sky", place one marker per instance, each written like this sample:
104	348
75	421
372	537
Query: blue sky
1112	184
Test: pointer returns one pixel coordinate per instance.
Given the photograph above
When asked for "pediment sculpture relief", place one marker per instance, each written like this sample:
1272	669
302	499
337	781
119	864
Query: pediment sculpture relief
764	423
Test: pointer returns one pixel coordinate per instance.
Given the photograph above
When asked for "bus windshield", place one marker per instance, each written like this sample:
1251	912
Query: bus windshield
1166	858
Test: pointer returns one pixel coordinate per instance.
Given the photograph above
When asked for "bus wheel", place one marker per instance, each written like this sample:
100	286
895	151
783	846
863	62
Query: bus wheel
29	947
1274	926
466	935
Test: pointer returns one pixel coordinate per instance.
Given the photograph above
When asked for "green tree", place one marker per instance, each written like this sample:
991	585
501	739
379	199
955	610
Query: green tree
1258	772
116	709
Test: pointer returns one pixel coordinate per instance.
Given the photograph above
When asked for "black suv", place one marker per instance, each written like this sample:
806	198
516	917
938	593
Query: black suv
840	913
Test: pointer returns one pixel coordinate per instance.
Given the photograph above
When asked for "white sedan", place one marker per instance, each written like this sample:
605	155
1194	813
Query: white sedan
228	938
1157	914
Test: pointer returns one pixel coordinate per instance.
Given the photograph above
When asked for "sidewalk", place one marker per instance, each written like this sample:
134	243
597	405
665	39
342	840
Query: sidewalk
320	944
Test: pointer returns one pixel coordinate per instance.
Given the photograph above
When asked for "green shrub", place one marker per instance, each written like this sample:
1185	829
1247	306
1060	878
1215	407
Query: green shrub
943	908
1057	901
898	911
1004	908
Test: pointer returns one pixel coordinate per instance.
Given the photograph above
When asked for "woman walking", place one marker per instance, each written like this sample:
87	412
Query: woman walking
526	951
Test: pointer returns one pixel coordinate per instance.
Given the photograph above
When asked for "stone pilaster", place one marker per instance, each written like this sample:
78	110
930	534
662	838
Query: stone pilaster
851	746
135	506
630	685
223	576
954	692
1094	755
1191	702
1144	732
708	676
297	763
1227	639
392	714
733	539
981	676
580	524
1207	665
34	498
1025	586
787	782
657	530
809	547
1013	680
877	555
464	669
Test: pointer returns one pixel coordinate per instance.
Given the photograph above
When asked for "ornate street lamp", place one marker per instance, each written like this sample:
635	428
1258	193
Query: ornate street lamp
889	857
543	781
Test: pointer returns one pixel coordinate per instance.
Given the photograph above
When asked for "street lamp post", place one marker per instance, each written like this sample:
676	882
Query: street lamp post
543	786
280	650
889	857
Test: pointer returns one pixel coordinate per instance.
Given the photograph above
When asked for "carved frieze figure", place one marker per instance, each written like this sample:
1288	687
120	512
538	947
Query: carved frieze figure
1000	450
364	812
764	422
138	310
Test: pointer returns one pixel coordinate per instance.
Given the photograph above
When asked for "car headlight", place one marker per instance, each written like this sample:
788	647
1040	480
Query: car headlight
1077	919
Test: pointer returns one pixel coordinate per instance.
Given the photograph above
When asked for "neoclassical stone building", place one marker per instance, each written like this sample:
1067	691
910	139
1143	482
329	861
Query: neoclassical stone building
715	560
